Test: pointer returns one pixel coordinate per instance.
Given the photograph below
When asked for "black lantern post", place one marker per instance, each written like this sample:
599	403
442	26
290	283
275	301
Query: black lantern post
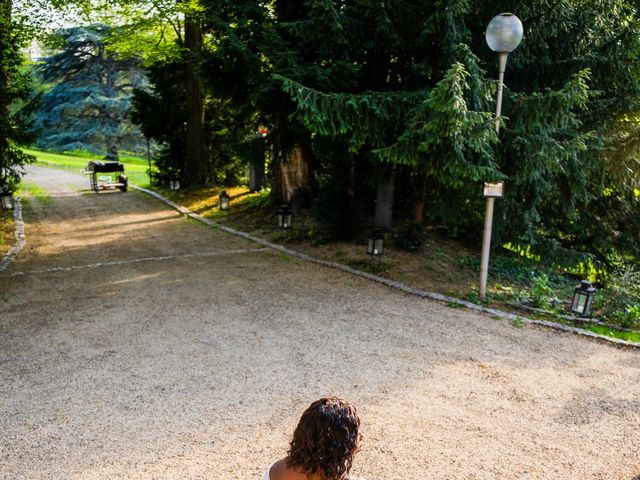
223	201
7	198
583	299
285	217
375	244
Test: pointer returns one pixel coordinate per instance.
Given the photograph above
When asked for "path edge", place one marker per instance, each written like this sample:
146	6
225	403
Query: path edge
21	238
388	282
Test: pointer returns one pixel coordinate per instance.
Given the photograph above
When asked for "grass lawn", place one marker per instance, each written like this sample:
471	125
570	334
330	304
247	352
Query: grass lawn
135	168
610	332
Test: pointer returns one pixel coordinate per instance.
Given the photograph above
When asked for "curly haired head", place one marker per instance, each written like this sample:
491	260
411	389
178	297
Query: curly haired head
326	439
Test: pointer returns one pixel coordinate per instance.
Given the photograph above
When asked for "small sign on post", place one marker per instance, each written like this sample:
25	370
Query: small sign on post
491	192
494	190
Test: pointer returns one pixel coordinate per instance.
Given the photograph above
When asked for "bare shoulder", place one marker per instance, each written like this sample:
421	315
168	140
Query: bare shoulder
278	470
281	471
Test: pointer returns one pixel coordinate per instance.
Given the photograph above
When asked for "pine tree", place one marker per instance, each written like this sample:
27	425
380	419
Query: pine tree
88	104
569	135
16	100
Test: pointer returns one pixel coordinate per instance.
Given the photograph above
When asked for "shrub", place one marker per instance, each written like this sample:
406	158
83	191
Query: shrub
541	291
621	298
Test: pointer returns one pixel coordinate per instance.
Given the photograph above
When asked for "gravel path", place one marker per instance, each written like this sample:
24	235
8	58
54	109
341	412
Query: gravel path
137	344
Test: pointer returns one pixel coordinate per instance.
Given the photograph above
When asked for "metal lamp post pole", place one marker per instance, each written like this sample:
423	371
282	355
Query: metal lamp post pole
503	35
488	215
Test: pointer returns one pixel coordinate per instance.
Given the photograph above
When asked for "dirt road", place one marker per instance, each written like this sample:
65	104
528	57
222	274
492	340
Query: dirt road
136	344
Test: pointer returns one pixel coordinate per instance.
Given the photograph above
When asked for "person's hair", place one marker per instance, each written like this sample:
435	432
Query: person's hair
326	439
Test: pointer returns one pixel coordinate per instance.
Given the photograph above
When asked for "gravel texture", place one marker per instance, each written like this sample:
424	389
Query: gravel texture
137	344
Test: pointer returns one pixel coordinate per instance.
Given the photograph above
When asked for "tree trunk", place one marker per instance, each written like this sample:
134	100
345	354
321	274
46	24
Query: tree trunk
195	161
295	178
384	204
5	24
418	203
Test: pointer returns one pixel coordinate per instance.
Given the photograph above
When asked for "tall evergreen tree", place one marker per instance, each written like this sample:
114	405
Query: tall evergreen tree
405	89
88	104
15	99
561	150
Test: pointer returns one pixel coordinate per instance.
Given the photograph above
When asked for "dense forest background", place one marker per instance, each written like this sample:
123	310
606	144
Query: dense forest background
379	113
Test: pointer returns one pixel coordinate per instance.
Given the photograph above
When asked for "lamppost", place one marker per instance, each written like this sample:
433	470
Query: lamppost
503	35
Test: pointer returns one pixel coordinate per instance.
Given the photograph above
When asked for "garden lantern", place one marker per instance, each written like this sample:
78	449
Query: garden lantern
223	201
375	244
583	299
6	199
503	35
285	217
174	183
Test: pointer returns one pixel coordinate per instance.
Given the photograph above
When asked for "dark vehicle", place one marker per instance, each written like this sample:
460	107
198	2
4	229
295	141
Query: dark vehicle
104	175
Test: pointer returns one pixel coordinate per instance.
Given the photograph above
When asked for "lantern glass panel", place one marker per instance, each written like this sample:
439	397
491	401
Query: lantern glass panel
378	247
583	299
285	217
6	201
579	302
223	201
284	220
375	244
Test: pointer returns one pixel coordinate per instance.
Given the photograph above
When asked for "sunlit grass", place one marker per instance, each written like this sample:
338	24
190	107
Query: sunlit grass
135	168
614	333
31	190
204	200
123	158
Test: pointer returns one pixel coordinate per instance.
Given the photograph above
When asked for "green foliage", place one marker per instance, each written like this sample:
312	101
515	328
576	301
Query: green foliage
566	213
223	133
363	86
363	118
541	291
629	318
259	200
473	297
517	323
614	333
149	107
620	301
512	269
410	238
557	153
87	105
16	100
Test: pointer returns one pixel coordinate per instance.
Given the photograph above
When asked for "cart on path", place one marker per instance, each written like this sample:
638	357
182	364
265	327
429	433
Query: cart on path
105	175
